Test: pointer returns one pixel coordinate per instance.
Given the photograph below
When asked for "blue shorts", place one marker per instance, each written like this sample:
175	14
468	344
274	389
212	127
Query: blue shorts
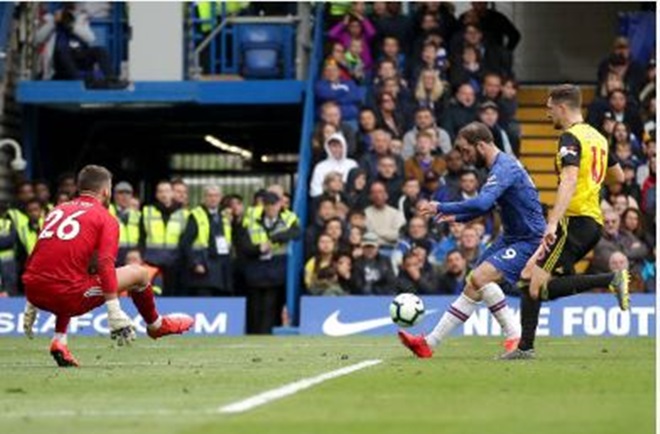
509	257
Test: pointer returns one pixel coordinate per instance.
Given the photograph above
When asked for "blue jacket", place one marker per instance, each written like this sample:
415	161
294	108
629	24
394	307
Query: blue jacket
344	93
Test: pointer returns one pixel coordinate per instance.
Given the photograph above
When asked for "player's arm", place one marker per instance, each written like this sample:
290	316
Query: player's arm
614	174
470	209
570	154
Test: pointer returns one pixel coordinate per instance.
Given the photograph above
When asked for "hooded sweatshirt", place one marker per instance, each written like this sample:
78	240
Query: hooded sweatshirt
342	165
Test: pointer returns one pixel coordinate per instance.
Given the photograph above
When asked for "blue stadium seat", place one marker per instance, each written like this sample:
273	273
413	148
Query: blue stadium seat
260	48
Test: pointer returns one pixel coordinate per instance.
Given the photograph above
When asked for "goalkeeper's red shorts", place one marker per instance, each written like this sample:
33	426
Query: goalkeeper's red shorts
69	300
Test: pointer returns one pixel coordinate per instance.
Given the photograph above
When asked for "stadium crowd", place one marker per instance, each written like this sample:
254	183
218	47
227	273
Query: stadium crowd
395	90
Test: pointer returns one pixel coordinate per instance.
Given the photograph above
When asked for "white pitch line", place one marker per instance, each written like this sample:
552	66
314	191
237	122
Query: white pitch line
293	388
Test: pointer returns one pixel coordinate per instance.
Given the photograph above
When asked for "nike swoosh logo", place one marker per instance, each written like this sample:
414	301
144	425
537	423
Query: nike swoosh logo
333	326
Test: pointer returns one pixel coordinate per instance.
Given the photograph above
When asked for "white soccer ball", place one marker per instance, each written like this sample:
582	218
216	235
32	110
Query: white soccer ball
406	310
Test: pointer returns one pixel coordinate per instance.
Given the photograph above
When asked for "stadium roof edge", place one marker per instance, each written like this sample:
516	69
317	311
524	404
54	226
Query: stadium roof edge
67	93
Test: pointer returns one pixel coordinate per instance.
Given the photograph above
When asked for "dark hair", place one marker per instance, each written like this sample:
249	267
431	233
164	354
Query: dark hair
452	252
492	74
355	211
33	201
609	95
382	96
177	181
325	198
568	94
476	132
639	232
470	172
41	181
22	184
424	109
64	176
93	178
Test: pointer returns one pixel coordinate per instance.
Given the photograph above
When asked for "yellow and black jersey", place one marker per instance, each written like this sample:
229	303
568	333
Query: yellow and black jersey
584	147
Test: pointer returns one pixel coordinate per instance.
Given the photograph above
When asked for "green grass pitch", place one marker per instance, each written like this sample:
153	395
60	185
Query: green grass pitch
580	386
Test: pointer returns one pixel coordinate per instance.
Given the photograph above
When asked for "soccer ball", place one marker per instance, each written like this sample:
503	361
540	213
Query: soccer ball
406	310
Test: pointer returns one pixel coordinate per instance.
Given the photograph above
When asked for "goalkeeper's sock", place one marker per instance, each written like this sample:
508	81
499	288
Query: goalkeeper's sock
569	285
457	314
494	298
529	318
144	301
61	325
61	337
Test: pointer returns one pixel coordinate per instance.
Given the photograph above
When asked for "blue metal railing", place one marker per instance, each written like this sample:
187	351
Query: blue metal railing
300	202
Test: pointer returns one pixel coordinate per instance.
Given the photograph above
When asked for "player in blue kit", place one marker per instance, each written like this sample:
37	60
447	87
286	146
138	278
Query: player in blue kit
509	187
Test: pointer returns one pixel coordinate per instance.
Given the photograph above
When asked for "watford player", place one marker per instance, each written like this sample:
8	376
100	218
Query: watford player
57	279
575	222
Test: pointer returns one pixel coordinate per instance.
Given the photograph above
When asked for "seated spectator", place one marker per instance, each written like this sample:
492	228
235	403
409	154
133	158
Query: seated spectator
427	61
67	52
353	61
344	269
497	28
424	167
390	23
383	220
355	234
334	227
492	58
613	240
333	187
427	30
417	235
396	148
628	145
390	118
373	274
601	104
343	92
508	105
331	114
629	187
402	96
450	183
625	112
424	120
338	55
391	51
386	69
335	162
448	243
416	277
367	124
62	197
649	150
452	281
407	203
649	116
390	178
489	115
382	146
632	222
321	135
324	211
621	63
469	70
355	27
617	200
649	86
320	274
649	190
491	88
430	92
470	246
357	193
443	12
461	111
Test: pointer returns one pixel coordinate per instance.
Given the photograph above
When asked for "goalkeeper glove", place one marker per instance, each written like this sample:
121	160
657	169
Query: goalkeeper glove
121	327
29	317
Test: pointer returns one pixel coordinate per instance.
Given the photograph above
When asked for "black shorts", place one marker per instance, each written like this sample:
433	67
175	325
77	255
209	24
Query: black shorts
576	236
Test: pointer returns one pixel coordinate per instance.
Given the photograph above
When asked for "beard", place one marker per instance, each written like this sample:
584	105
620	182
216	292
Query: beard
480	161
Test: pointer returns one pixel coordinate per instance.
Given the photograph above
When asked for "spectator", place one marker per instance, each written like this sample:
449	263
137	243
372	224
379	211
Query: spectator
207	244
442	13
27	231
355	234
649	150
357	194
452	280
625	144
382	146
386	69
461	111
390	178
629	187
649	86
428	61
373	274
355	27
497	28
407	203
424	120
390	118
450	182
353	61
391	51
600	105
632	222
331	114
618	262
391	24
324	211
128	219
264	246
66	182
617	200
402	96
417	235
613	240
649	189
508	105
366	126
424	167
161	228
430	92
416	277
491	57
383	220
8	245
649	115
66	40
469	185
343	92
469	70
622	64
338	56
320	274
489	115
336	161
470	246
321	135
626	113
180	193
62	197
42	193
335	228
344	269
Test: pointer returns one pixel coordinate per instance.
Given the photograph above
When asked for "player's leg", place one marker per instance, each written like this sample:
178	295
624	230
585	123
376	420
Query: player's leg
135	279
58	346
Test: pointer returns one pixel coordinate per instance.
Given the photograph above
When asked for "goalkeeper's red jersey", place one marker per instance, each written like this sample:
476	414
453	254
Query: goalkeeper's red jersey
74	234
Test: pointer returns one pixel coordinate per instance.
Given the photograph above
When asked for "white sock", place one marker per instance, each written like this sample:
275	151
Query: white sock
494	298
156	324
60	337
459	312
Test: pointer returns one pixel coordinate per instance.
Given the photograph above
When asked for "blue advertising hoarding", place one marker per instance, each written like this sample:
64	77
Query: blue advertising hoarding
583	315
213	316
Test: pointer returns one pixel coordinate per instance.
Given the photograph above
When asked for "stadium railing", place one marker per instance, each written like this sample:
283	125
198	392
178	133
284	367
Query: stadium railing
300	202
